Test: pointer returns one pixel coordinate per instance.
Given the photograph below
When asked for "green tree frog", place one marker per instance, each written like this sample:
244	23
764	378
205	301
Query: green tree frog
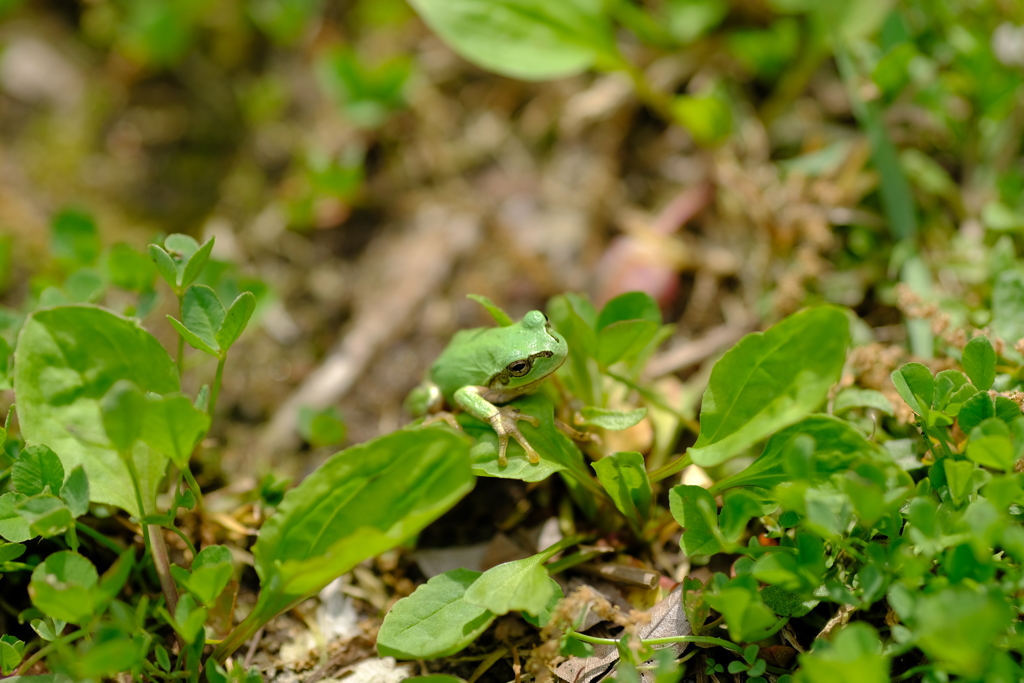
492	365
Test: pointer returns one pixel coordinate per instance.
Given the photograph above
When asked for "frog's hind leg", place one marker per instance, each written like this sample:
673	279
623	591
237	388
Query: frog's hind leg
442	416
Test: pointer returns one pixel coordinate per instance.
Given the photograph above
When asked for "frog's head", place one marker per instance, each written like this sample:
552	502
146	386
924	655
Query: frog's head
534	351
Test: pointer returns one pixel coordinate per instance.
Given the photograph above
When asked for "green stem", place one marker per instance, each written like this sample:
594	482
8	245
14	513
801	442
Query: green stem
98	537
671	468
570	561
193	486
181	534
240	634
913	672
180	362
215	389
47	649
154	541
709	640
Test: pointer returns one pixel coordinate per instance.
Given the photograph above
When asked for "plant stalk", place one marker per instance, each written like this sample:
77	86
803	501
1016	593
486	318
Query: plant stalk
47	649
709	640
671	468
154	541
215	389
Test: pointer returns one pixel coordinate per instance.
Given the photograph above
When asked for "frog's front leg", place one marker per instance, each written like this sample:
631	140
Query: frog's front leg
502	419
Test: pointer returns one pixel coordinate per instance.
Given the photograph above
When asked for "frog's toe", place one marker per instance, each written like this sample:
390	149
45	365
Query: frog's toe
504	424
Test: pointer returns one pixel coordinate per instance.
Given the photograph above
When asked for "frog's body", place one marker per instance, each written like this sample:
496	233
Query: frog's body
492	365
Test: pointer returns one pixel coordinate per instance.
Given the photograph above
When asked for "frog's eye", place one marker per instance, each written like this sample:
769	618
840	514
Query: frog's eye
518	368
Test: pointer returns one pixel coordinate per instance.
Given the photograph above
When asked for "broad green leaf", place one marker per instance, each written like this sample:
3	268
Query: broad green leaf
435	621
10	551
786	603
502	318
625	326
37	468
69	357
62	587
164	265
181	248
123	409
975	410
958	627
695	510
196	262
959	475
104	660
541	620
521	585
191	338
202	314
612	419
235	320
114	579
45	628
13	526
979	361
173	426
852	397
574	317
528	39
1007	409
11	651
770	380
739	601
836	444
46	515
854	656
738	508
359	503
211	571
992	451
916	386
949	391
131	269
624	477
74	237
75	492
188	619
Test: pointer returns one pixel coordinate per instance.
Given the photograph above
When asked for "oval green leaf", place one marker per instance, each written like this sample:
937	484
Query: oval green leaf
62	587
435	621
66	360
770	380
36	468
624	477
359	503
173	426
202	314
528	39
236	319
522	585
979	361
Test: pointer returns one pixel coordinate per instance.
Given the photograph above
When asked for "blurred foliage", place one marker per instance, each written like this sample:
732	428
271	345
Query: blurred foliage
879	141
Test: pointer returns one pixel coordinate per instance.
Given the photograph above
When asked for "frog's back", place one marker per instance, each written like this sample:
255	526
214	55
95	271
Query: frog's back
468	360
